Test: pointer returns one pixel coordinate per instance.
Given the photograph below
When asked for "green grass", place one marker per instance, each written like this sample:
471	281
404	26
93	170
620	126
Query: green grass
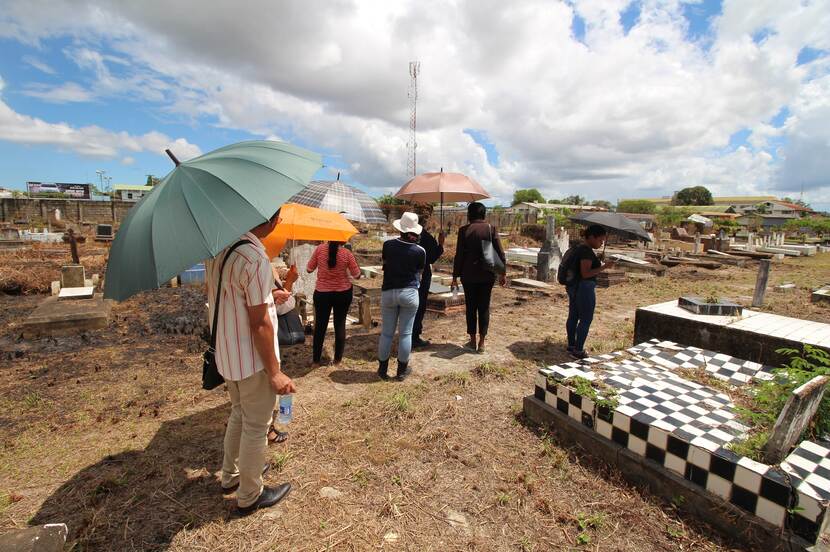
399	401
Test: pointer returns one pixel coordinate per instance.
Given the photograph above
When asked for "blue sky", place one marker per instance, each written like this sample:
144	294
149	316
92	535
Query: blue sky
677	98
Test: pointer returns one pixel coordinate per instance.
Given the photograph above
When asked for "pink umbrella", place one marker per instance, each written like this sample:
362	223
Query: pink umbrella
441	187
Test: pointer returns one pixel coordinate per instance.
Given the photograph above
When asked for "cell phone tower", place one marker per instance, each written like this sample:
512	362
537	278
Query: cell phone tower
412	145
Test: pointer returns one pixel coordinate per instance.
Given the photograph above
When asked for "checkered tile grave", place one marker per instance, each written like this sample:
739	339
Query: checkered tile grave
672	356
686	427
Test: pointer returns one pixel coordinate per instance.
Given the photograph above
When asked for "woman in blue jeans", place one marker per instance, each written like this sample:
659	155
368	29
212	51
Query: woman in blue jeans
403	261
582	293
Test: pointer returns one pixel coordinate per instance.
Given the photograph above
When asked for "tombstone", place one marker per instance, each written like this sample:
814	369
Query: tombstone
42	538
103	232
696	249
794	419
57	214
299	256
761	283
750	241
72	276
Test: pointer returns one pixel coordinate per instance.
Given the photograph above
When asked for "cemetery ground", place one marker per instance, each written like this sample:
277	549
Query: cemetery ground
111	433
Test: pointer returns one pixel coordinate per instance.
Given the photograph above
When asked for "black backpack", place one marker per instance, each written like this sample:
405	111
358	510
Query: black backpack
567	273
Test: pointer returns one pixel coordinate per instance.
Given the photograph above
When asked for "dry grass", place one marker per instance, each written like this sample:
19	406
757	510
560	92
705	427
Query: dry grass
31	270
110	433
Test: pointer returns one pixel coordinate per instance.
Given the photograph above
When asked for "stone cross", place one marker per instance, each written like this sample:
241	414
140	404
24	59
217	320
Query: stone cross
73	242
794	419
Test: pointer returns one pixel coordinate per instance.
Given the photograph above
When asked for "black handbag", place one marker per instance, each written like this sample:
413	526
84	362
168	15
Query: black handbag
492	261
211	378
290	329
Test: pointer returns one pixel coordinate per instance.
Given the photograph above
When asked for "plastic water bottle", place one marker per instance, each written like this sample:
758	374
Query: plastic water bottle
286	409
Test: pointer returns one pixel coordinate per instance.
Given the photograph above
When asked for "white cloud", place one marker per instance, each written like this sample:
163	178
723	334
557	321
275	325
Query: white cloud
92	141
645	112
127	160
64	93
39	65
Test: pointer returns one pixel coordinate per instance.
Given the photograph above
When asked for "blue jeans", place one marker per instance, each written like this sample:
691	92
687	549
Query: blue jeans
582	302
398	308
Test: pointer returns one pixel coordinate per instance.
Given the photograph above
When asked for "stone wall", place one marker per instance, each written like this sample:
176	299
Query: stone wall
41	211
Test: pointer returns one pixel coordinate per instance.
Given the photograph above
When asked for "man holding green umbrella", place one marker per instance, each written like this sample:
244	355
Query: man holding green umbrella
198	211
247	356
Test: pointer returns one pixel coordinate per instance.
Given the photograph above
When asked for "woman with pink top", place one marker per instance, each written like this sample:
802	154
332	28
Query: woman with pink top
334	264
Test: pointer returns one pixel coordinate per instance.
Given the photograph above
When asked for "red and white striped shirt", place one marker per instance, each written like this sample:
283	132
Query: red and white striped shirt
337	278
247	282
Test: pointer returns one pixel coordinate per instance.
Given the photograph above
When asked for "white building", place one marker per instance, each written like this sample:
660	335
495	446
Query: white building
126	192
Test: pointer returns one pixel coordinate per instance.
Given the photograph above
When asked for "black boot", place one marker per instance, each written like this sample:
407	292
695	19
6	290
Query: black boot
383	369
403	371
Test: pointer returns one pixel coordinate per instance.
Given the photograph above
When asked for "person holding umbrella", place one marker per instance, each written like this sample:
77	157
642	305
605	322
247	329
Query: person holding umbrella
434	249
582	297
247	357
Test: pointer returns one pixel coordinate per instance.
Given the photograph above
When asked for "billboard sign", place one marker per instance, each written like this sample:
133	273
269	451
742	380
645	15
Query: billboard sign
73	191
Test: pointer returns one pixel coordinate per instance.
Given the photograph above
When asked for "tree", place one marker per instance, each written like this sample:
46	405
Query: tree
531	195
555	201
641	206
389	199
573	200
696	195
152	180
602	203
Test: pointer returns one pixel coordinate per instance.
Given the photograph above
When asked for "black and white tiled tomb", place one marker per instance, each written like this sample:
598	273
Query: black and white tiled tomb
724	367
687	427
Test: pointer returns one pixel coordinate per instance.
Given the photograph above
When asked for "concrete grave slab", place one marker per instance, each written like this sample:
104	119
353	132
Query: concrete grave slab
54	317
42	538
754	335
821	295
85	292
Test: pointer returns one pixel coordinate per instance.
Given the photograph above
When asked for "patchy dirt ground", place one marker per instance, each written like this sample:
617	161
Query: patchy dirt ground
110	433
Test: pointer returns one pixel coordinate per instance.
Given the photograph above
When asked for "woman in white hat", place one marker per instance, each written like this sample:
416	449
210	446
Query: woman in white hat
403	261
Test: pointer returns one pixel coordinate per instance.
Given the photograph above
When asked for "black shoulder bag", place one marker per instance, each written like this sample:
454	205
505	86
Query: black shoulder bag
290	329
492	261
211	378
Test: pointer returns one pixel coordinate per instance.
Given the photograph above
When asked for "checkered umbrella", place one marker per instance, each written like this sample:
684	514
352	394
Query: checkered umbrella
341	198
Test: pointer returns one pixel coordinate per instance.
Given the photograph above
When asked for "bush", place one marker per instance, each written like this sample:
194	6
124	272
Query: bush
770	397
637	206
672	216
534	231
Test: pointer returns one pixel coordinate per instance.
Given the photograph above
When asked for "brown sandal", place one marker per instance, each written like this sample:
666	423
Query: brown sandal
279	436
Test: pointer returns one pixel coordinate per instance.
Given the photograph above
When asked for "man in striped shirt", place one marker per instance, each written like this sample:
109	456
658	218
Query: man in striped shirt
247	356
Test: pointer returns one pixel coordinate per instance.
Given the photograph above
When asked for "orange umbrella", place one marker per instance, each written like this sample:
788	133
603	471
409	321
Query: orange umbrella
441	187
300	222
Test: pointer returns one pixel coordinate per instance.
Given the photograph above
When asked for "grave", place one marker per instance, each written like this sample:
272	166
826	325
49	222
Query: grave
821	295
76	293
41	538
55	317
719	307
753	335
640	410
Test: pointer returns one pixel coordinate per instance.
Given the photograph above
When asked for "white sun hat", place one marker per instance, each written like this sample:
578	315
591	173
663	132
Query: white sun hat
408	223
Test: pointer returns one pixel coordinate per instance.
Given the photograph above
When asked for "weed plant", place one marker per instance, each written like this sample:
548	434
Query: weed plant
769	398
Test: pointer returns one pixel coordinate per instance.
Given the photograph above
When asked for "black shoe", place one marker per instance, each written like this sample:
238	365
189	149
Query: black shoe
403	371
232	488
579	354
417	343
269	496
383	369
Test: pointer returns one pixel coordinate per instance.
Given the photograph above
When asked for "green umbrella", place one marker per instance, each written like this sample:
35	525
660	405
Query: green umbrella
200	208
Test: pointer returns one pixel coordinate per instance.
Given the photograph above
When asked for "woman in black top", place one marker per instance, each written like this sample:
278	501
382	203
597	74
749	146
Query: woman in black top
403	262
469	266
582	299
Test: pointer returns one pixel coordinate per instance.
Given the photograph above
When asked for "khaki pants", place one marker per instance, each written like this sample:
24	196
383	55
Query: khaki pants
246	437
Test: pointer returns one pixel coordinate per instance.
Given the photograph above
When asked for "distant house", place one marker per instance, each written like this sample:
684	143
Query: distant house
646	221
126	192
763	221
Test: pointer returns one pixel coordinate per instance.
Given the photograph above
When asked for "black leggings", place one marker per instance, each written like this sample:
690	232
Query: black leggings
477	299
324	302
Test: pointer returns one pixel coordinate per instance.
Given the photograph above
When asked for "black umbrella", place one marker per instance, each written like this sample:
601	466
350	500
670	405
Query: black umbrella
614	223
